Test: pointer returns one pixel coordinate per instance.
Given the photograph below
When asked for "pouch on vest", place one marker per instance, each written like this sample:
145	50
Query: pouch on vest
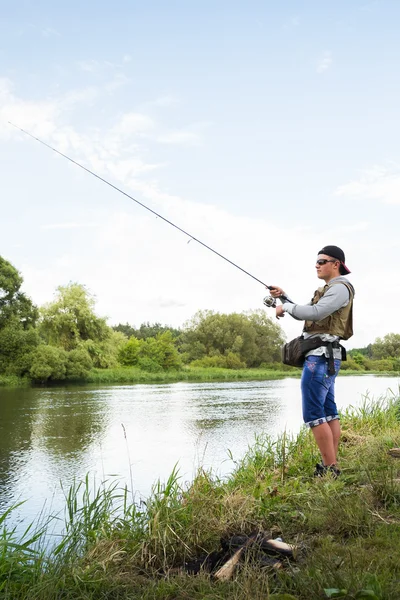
294	352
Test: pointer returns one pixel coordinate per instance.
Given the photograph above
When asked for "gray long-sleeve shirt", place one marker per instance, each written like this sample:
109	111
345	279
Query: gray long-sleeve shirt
336	297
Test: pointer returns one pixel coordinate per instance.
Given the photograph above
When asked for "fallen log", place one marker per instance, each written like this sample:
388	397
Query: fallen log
226	571
277	547
263	544
394	452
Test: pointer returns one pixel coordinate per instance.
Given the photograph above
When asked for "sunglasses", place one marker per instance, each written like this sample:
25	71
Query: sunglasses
323	261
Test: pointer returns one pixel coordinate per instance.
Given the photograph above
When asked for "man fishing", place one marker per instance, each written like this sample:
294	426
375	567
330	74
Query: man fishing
327	318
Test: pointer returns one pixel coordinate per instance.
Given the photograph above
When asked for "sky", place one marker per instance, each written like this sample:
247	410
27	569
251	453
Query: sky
266	130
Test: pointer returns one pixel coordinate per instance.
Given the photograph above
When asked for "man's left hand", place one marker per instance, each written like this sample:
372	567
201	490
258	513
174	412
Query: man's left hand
279	312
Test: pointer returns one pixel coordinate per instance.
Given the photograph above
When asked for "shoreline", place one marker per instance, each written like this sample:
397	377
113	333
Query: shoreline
131	375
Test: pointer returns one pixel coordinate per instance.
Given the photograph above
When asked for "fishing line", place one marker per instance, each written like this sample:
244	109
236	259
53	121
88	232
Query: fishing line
192	237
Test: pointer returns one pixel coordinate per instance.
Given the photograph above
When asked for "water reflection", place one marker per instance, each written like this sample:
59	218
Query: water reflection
139	433
67	422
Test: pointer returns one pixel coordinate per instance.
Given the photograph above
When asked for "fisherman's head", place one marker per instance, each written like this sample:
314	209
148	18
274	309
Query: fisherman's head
331	263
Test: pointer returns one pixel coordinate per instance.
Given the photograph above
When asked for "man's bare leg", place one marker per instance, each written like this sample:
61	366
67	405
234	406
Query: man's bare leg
325	441
335	429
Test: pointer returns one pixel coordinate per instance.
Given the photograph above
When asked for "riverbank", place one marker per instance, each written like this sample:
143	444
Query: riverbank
132	375
346	532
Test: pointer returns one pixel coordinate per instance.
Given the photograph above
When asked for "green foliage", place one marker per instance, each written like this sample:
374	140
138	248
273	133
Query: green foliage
186	373
230	361
70	319
128	354
17	319
104	353
351	365
126	329
366	351
159	351
48	364
269	337
388	347
253	337
78	364
146	330
16	344
70	323
13	303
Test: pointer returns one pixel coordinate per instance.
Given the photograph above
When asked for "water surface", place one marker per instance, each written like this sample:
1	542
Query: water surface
137	433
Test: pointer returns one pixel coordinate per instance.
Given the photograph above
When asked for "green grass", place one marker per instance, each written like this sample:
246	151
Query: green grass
192	374
347	531
13	381
132	375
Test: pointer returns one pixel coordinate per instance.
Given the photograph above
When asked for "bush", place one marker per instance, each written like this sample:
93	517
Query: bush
160	350
230	361
128	354
15	344
48	363
350	365
150	365
79	364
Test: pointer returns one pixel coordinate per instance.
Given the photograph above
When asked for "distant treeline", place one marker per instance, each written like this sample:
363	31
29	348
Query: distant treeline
65	339
382	355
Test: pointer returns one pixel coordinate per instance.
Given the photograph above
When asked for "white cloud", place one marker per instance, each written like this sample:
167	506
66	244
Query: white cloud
378	183
49	32
39	116
132	124
166	101
76	97
348	228
324	62
89	66
179	137
68	225
118	81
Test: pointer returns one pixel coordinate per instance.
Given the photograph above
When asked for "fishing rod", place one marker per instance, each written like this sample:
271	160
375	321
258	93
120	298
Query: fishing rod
268	300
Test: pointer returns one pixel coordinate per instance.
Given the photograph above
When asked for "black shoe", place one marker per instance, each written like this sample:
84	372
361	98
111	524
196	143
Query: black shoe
322	471
319	470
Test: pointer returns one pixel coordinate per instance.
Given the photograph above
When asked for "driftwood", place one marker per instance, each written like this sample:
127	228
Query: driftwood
259	549
394	452
261	544
226	571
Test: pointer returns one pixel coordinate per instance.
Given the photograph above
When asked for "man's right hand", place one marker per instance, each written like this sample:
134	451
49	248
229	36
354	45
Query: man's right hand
276	291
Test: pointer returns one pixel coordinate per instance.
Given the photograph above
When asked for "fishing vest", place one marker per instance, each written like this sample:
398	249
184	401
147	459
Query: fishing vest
340	322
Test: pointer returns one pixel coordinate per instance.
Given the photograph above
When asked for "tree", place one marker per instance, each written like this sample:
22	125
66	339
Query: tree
159	351
128	354
146	330
388	347
70	319
18	316
48	363
104	353
126	329
14	304
365	351
78	364
269	337
16	345
253	338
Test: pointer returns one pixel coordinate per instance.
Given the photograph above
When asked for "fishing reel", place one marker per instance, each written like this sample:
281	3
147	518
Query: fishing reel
270	301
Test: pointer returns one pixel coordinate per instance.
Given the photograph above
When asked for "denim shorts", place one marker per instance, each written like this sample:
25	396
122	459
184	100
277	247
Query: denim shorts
318	391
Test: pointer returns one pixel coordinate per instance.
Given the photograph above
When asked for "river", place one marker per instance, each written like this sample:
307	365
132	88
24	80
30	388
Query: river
137	433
